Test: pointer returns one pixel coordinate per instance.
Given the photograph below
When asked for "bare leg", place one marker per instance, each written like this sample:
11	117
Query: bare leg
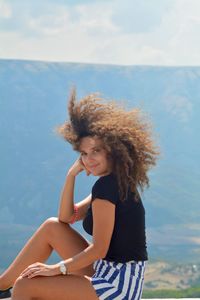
52	234
70	287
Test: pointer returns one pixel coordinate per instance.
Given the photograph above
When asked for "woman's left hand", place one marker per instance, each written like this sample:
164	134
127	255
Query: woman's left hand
40	269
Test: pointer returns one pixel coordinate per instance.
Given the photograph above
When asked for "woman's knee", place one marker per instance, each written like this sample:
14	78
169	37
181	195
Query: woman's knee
50	221
51	225
20	288
24	289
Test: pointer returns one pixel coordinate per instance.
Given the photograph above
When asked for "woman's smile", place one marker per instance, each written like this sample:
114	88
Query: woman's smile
93	167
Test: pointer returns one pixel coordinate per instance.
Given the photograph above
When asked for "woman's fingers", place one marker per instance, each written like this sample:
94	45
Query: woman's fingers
39	269
84	167
32	266
35	273
77	167
32	269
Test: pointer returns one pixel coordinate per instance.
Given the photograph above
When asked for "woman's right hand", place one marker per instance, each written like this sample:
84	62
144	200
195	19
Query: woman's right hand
77	167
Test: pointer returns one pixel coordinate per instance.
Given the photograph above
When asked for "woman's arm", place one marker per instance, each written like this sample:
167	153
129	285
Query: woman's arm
66	208
103	225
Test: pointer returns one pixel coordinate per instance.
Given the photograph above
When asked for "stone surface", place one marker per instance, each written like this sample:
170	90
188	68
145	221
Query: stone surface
150	299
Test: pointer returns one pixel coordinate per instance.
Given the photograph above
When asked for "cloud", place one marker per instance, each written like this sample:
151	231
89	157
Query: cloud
42	19
119	32
61	33
183	27
5	10
139	16
25	15
96	19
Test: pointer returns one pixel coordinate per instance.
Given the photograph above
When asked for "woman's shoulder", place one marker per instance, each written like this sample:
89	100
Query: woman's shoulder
103	181
106	187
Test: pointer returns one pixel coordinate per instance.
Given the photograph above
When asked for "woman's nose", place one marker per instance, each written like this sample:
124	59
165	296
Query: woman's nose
90	157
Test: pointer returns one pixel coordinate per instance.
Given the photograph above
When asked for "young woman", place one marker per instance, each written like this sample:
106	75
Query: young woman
116	145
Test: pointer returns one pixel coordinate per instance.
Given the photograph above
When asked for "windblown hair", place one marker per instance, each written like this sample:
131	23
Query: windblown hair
126	136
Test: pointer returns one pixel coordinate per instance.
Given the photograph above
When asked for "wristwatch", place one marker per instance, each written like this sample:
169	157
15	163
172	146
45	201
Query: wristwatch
62	267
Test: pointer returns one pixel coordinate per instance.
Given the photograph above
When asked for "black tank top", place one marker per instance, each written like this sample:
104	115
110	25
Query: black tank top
128	240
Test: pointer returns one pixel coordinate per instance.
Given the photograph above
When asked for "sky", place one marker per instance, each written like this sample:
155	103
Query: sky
122	32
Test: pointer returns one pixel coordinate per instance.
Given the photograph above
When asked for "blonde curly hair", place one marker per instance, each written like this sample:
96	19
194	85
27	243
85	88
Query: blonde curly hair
126	136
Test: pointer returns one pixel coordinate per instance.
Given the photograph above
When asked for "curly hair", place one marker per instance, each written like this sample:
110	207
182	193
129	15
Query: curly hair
126	136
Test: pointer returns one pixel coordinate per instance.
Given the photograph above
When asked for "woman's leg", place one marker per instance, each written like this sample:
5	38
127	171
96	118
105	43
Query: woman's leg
52	234
69	287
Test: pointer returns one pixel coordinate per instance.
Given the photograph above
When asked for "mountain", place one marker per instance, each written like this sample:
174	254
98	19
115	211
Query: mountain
34	160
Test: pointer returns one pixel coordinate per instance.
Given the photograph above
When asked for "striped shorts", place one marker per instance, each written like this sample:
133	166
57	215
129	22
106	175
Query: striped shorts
122	281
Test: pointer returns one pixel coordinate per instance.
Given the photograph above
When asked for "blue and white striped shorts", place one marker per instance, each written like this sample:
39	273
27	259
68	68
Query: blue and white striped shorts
122	281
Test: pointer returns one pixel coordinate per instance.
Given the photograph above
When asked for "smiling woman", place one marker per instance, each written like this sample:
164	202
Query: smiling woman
115	145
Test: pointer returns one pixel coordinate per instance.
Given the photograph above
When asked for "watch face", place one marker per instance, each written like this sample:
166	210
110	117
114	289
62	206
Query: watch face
63	269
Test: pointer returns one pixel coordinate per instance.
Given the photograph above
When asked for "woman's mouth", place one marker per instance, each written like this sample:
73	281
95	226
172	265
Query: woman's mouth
93	167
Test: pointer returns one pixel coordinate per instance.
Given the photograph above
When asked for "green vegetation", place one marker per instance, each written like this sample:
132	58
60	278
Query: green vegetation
192	292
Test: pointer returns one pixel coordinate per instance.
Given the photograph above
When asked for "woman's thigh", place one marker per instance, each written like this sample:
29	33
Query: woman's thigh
70	287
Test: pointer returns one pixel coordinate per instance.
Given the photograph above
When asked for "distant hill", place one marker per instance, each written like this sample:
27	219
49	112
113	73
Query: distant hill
34	160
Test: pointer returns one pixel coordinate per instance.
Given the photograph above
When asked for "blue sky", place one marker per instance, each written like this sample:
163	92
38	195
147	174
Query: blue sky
126	32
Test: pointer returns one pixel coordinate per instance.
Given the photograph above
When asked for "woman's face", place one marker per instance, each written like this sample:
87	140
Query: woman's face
94	156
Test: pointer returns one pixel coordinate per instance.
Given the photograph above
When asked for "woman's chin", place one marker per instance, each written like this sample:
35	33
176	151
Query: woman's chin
96	173
101	173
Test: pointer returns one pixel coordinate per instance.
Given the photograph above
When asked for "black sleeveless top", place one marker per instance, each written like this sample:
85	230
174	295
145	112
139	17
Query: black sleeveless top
128	240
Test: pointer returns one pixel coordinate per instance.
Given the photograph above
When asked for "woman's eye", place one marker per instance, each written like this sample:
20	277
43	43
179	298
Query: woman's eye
97	150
